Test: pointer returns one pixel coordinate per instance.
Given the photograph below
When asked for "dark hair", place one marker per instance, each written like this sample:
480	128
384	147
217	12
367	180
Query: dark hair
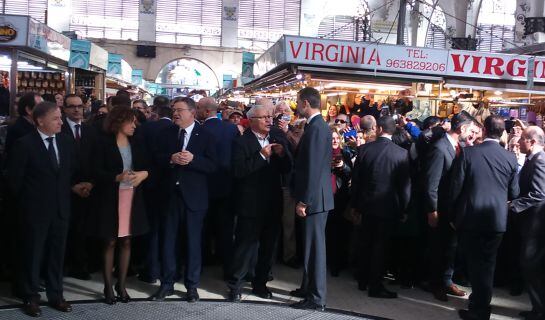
461	119
123	92
494	126
190	102
71	95
121	100
26	101
311	95
430	122
117	117
41	109
48	97
140	116
164	111
387	123
140	101
402	138
161	101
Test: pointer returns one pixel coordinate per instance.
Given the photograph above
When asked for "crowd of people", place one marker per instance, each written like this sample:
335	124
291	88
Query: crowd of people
160	190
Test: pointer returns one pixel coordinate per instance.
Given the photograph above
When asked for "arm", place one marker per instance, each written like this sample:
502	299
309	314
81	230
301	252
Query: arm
318	145
16	167
433	171
457	183
536	194
207	162
244	164
404	183
355	180
413	130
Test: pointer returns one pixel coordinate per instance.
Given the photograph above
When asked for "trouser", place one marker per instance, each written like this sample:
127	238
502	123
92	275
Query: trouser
288	226
76	245
533	260
443	244
314	274
376	234
219	230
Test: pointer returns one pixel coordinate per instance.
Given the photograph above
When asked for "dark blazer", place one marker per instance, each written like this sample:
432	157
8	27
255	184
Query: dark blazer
224	134
20	128
437	173
484	178
532	186
381	181
107	165
151	131
42	191
258	182
192	178
311	183
85	149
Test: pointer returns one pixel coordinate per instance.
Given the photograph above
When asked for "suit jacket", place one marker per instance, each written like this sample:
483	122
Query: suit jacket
532	186
224	134
107	165
85	149
381	181
311	183
151	131
42	191
257	181
437	168
484	178
20	128
191	180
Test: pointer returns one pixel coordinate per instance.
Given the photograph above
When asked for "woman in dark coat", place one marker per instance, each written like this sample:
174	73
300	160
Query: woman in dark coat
121	166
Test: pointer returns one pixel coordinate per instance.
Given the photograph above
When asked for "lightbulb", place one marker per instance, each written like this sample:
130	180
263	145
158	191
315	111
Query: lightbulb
498	93
299	76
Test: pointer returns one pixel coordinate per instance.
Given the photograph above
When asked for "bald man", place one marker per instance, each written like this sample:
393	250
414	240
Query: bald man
530	206
219	222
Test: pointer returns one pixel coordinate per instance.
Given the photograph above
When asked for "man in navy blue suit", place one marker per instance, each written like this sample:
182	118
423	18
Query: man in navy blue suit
188	152
156	198
219	222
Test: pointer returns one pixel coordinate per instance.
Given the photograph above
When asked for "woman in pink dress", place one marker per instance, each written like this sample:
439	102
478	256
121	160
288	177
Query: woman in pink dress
121	167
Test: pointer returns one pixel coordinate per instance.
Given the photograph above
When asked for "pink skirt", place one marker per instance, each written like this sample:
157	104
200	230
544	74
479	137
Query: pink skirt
124	212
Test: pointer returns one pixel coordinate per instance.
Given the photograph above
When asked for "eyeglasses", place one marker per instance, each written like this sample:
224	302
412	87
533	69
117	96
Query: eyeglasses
179	110
340	121
72	106
263	117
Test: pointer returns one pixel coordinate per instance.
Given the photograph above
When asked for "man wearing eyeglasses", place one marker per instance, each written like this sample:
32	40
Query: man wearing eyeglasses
84	137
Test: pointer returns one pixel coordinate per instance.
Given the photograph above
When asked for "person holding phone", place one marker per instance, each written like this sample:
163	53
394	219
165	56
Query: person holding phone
120	168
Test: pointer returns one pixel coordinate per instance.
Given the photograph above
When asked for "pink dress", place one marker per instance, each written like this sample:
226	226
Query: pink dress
126	192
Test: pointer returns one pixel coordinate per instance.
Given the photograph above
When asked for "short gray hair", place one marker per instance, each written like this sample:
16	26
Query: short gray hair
253	110
209	104
536	133
368	123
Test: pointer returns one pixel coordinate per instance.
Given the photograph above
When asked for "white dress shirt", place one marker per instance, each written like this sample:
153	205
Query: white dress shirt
187	135
46	143
453	142
263	142
312	117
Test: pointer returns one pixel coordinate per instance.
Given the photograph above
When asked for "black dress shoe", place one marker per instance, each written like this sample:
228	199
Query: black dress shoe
362	286
262	292
298	293
192	295
308	305
32	309
467	315
234	296
382	293
109	297
161	294
122	295
526	314
61	306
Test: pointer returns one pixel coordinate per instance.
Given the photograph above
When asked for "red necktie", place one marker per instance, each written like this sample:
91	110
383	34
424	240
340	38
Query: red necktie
458	149
78	136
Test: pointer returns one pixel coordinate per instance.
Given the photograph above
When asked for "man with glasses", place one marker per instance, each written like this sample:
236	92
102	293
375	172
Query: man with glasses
84	138
188	153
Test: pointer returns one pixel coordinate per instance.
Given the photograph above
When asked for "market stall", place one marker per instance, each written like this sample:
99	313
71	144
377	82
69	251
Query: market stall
33	57
90	63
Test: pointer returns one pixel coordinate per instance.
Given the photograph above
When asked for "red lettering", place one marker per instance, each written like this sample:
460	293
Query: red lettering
456	60
374	57
536	64
476	63
315	50
493	63
363	56
342	53
335	55
293	51
511	68
306	50
353	55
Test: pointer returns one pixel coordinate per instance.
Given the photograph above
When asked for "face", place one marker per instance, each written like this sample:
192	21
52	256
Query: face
302	106
359	139
182	115
128	127
282	109
74	109
201	112
336	139
235	118
261	121
332	111
525	143
469	133
514	145
341	121
51	122
139	106
59	100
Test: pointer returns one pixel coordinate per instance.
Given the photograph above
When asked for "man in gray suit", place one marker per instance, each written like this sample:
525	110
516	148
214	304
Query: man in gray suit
313	193
530	205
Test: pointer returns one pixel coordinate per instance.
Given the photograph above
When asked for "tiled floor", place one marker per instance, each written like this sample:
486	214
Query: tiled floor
412	304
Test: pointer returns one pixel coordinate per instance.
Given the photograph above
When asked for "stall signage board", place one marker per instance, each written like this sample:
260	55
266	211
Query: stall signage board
114	63
80	53
126	71
137	76
414	60
47	40
99	57
13	30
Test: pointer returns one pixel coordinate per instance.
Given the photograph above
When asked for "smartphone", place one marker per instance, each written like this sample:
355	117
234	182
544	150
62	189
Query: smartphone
351	133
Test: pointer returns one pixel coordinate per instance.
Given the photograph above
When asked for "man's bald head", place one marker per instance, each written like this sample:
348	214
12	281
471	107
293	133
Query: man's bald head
206	108
535	133
368	124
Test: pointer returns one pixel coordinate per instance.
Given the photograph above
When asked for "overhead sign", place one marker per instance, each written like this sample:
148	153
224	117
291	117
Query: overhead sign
114	63
13	30
7	33
414	60
80	53
47	40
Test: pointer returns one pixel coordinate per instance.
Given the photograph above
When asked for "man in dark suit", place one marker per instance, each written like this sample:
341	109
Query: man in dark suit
530	207
40	171
189	153
219	222
484	178
438	171
84	137
24	123
381	189
313	193
260	157
156	199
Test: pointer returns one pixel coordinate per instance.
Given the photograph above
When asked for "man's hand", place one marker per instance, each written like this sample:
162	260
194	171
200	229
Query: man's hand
283	125
301	209
78	189
433	219
267	151
182	158
278	149
403	121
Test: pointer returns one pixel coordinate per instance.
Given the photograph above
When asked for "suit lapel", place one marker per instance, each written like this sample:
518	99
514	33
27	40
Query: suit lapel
195	133
44	155
449	147
253	140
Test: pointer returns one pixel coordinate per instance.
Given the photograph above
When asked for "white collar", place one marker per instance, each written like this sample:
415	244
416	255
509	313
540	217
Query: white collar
490	139
453	142
260	137
44	136
210	118
71	123
165	118
312	117
189	129
537	149
387	136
